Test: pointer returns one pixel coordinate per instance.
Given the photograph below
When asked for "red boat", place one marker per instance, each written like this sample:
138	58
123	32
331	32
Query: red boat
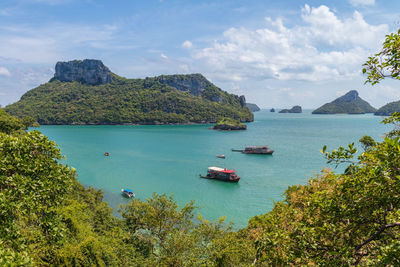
220	156
221	174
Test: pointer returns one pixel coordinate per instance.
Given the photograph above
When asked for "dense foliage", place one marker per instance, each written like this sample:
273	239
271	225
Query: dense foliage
228	121
125	101
227	124
338	219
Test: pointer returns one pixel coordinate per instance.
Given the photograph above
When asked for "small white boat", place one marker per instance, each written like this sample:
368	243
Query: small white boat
128	193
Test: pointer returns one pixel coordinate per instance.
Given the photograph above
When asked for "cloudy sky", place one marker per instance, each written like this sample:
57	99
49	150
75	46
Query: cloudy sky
276	53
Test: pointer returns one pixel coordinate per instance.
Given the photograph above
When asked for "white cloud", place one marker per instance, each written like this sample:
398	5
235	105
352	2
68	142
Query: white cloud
163	56
362	2
50	44
325	47
4	71
187	44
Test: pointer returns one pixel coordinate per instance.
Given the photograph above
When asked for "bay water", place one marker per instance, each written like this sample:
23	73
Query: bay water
169	158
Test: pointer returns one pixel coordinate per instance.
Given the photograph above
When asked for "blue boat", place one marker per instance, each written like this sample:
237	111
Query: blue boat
128	193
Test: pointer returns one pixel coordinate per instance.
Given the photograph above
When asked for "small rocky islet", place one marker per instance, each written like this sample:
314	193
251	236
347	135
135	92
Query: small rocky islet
350	103
229	124
294	109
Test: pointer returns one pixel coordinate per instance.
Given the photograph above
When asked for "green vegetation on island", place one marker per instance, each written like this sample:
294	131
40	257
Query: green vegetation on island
229	124
158	100
388	109
294	109
350	103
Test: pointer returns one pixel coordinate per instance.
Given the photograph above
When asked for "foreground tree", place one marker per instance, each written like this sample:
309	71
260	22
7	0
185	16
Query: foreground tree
342	219
386	63
168	235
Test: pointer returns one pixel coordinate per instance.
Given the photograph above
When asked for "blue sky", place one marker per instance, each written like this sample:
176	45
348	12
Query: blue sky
276	53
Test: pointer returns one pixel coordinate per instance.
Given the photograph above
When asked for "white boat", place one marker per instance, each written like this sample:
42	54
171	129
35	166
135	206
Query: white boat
128	193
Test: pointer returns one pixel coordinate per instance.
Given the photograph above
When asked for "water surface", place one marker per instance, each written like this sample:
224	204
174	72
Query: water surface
169	158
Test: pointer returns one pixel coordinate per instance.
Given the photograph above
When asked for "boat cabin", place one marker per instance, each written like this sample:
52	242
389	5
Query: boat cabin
222	174
257	150
128	193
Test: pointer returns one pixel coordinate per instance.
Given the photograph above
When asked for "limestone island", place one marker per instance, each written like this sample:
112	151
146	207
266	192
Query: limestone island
350	103
87	92
388	109
295	109
252	107
229	124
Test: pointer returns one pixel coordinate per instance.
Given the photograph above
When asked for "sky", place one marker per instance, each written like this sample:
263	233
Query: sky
276	53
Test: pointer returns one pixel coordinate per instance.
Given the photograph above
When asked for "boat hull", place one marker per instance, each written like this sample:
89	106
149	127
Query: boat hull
127	194
219	179
263	153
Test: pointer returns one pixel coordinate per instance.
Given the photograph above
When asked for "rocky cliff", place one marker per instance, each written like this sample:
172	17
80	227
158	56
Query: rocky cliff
192	83
88	71
197	85
349	103
252	107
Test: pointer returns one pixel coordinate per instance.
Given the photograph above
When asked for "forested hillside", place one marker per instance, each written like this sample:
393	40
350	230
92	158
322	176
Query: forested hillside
165	99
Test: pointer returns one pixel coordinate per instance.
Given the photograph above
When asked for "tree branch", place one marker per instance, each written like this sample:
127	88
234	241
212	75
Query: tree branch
377	234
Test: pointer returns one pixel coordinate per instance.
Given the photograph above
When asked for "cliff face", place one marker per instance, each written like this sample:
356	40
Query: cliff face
197	85
252	107
192	83
349	103
88	71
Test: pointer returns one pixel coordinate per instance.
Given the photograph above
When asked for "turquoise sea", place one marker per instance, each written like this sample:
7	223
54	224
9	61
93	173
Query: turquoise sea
169	158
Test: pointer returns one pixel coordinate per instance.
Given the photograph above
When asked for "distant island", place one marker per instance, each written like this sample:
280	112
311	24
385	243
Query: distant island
87	92
295	109
272	110
388	109
350	103
229	124
252	107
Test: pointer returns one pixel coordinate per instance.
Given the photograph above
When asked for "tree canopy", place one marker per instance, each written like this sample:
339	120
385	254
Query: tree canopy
386	63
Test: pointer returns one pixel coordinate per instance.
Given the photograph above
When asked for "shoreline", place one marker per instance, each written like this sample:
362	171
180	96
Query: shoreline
134	124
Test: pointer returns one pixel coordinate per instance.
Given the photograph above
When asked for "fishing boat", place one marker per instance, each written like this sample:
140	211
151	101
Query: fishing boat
221	174
106	154
220	156
128	193
255	150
